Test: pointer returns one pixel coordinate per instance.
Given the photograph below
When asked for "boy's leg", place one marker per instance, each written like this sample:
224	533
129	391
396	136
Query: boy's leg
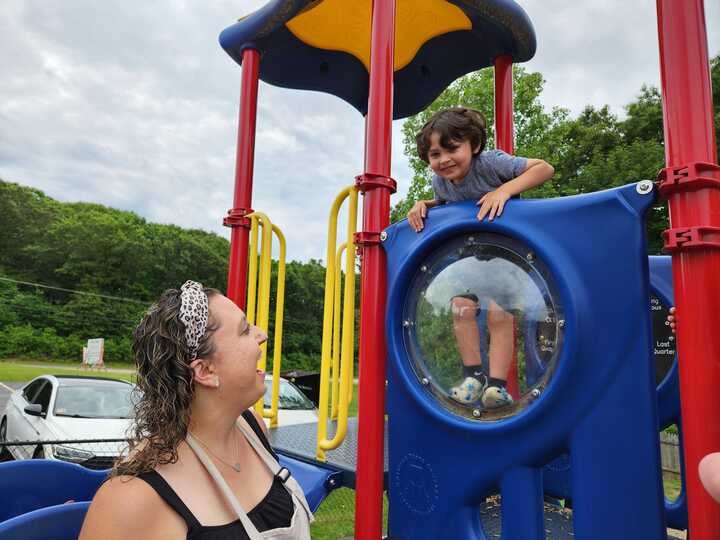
501	329
467	336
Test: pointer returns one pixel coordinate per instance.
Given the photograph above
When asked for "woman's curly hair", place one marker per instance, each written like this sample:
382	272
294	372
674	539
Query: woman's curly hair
164	384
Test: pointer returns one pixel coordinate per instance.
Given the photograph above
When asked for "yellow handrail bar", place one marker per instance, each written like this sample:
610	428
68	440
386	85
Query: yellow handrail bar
345	389
272	413
337	319
339	323
261	315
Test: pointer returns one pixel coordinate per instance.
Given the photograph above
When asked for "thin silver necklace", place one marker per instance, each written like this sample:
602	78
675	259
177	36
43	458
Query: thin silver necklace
236	466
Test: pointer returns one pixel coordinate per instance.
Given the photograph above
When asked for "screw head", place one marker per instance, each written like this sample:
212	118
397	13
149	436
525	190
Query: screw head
383	236
535	393
476	413
561	323
644	187
530	257
407	323
423	268
425	381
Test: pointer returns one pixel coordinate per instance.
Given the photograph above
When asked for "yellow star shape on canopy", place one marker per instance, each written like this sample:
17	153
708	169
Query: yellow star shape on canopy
344	25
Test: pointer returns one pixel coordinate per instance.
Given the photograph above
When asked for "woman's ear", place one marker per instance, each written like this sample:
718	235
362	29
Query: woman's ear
204	373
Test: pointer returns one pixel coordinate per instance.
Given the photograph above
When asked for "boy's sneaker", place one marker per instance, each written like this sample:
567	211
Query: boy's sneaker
495	397
468	391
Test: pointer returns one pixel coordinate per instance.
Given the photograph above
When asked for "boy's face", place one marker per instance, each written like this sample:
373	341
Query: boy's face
450	163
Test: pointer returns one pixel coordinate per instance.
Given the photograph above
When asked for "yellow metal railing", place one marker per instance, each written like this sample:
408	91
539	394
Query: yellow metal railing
336	369
258	300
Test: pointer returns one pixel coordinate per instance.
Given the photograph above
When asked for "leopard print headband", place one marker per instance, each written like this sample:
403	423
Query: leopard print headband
193	314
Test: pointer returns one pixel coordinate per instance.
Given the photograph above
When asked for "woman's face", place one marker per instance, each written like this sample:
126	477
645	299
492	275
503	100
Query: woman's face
237	350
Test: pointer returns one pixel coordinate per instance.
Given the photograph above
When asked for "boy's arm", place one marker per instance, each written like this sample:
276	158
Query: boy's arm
537	171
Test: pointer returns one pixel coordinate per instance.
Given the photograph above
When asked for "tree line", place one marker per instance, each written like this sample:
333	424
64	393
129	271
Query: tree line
121	262
74	271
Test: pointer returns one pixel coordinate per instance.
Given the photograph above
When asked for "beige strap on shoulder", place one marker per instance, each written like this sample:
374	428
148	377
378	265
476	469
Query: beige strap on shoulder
230	497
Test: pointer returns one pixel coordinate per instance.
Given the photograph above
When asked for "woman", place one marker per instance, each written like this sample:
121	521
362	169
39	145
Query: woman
201	467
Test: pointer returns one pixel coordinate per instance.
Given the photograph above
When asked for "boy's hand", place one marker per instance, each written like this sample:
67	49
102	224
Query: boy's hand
492	204
416	215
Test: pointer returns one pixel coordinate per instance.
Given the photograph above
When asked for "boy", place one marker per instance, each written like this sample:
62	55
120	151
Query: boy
452	143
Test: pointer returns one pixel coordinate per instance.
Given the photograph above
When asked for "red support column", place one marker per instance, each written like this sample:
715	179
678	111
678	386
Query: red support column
694	197
504	140
244	160
504	104
376	217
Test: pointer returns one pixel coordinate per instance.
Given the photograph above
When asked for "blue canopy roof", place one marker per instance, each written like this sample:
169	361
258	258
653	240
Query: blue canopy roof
324	45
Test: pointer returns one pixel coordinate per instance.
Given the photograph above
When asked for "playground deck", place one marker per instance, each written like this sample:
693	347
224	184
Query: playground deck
298	441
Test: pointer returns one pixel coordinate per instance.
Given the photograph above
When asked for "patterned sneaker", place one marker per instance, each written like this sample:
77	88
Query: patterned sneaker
495	397
468	391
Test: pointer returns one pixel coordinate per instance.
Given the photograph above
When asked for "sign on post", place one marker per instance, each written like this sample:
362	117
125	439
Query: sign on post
93	353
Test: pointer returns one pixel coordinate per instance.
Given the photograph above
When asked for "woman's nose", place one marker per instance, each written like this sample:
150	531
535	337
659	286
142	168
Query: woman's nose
261	336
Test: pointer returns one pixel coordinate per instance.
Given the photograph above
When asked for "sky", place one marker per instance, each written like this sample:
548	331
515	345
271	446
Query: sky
134	105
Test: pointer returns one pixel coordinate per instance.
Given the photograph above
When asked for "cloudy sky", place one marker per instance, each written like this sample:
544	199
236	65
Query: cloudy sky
134	105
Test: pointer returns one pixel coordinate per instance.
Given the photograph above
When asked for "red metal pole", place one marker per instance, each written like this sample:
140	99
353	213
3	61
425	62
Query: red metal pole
376	217
244	160
504	104
694	213
504	137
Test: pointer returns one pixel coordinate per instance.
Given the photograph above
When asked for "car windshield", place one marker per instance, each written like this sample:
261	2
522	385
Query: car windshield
94	401
290	397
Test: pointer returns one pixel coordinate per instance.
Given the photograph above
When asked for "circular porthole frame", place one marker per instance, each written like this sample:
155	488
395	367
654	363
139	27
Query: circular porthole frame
437	260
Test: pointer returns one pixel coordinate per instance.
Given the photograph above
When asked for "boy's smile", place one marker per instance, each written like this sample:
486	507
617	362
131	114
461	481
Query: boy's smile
451	163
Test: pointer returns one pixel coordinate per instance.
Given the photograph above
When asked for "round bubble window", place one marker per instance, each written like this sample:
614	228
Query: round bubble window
483	326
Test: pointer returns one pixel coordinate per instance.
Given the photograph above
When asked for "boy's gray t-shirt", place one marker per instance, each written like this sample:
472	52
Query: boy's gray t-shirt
488	171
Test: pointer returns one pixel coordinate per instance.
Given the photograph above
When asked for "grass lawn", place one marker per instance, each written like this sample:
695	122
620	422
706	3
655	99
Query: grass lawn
24	371
672	485
335	519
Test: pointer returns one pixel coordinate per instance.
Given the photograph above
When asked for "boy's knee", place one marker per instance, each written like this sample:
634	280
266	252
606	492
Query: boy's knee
463	308
709	470
499	318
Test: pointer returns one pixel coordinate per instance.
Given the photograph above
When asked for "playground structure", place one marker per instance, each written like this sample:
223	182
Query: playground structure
585	428
389	60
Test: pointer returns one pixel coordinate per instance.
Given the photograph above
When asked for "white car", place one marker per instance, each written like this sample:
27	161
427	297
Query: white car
294	407
60	408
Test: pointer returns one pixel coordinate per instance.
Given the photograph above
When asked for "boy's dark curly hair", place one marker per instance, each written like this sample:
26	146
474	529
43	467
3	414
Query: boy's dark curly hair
454	125
164	384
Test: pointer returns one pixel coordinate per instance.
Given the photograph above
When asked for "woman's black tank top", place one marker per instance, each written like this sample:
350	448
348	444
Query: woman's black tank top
274	511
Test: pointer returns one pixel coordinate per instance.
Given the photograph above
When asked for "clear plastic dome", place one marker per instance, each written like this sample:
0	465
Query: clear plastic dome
480	310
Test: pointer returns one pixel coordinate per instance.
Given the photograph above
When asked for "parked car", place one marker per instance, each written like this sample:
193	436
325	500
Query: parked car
69	408
294	407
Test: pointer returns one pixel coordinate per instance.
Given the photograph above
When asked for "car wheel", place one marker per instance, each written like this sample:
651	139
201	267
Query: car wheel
39	453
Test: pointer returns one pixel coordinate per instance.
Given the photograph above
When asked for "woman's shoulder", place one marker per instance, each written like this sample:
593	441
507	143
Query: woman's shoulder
123	507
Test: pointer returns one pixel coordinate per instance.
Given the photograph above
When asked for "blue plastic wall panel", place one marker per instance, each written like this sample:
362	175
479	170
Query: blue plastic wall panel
315	481
499	27
61	522
556	474
27	485
600	406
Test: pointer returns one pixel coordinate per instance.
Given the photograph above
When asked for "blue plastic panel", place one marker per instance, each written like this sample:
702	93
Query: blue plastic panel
600	407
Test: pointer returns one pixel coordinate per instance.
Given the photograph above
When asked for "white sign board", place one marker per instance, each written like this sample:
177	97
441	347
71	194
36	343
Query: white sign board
95	349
